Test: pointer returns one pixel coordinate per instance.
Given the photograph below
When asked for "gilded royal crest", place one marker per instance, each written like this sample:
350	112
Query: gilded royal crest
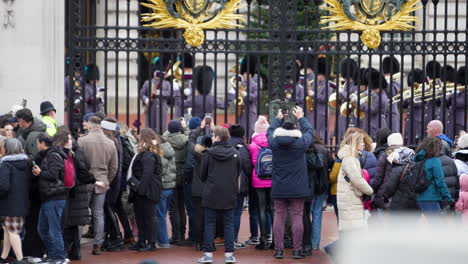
370	17
194	16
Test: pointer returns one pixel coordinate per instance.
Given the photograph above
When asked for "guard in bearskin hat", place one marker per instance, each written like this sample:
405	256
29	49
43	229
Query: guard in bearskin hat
202	101
432	109
154	95
186	64
413	123
348	73
459	103
94	93
391	66
448	77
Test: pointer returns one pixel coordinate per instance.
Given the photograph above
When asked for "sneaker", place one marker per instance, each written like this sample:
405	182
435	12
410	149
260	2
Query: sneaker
3	261
33	259
23	261
253	241
270	239
159	245
238	245
53	261
205	259
230	259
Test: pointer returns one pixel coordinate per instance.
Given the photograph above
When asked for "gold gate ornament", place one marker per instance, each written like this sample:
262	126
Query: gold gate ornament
194	16
370	17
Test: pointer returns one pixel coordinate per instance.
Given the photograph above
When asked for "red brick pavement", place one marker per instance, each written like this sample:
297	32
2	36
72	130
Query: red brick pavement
187	255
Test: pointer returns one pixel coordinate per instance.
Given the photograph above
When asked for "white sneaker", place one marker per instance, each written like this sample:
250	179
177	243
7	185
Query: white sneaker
33	259
205	259
230	259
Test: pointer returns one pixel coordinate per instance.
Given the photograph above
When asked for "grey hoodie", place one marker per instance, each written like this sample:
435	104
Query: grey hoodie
29	136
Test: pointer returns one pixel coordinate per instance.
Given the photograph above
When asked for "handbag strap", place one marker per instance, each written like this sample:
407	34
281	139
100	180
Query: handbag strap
404	172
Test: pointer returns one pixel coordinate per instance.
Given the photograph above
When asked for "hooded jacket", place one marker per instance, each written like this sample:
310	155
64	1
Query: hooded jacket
246	163
368	162
290	178
435	174
147	169
168	167
450	175
51	185
351	211
29	136
15	183
461	161
447	144
197	185
220	169
179	142
258	141
462	203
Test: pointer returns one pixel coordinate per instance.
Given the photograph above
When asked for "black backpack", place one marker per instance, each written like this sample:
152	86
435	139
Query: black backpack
318	177
415	175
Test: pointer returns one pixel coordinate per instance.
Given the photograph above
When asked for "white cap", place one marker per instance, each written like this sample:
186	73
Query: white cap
395	139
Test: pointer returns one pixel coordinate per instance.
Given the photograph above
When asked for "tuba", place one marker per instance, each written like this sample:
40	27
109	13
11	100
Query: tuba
310	98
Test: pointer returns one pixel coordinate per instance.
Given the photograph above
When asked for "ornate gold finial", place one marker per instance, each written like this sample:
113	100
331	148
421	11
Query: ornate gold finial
193	15
370	17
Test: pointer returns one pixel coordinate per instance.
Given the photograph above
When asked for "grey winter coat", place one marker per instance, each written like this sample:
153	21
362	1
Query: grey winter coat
178	141
168	167
29	136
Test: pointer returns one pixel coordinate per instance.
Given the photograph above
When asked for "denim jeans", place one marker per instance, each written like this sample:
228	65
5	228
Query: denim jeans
210	229
161	213
316	211
430	209
253	213
50	228
189	209
97	210
238	214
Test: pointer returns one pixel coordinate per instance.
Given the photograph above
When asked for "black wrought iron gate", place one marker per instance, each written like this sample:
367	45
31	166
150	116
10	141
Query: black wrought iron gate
285	38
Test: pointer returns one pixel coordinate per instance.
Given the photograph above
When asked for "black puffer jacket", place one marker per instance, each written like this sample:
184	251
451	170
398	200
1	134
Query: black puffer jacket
15	183
219	170
382	177
246	163
51	185
399	190
451	176
76	211
197	184
147	169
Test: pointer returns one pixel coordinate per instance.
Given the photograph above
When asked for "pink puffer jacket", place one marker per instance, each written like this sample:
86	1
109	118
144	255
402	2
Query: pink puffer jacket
258	141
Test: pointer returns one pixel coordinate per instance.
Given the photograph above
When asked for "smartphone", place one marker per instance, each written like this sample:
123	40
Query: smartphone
208	118
34	164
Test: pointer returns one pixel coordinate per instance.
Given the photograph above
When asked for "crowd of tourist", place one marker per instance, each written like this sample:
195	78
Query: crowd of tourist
122	184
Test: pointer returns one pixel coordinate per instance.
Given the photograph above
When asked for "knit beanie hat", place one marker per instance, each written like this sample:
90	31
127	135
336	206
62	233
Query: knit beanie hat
395	139
87	116
194	122
174	126
463	141
236	131
261	125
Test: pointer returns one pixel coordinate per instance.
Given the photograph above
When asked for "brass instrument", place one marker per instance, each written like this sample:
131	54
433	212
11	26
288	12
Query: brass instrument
242	89
332	100
437	92
174	71
352	107
407	93
310	98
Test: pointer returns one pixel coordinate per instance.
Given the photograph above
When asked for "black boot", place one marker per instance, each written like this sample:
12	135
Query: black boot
263	245
137	246
148	247
307	250
279	254
297	254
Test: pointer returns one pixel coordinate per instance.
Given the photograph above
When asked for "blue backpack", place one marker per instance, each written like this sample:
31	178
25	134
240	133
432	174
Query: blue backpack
264	168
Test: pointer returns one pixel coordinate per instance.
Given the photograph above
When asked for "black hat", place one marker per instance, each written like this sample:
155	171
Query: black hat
248	64
348	68
363	76
308	61
416	76
390	65
433	69
376	80
188	60
448	73
91	72
297	73
462	75
174	126
322	66
237	131
203	79
46	107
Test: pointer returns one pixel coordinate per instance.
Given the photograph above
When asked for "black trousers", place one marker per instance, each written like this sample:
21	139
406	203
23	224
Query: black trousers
265	204
145	213
111	223
71	239
32	243
177	214
123	217
198	219
307	221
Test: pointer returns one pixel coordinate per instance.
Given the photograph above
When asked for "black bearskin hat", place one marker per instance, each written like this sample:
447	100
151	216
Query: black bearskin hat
462	75
203	79
308	61
187	60
363	80
390	65
248	64
433	69
91	72
448	73
416	76
348	68
376	80
322	66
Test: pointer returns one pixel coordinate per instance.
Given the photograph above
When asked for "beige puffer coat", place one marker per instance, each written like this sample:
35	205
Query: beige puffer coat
350	209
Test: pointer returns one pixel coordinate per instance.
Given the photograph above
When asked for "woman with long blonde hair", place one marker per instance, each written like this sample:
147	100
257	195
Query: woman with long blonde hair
147	169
